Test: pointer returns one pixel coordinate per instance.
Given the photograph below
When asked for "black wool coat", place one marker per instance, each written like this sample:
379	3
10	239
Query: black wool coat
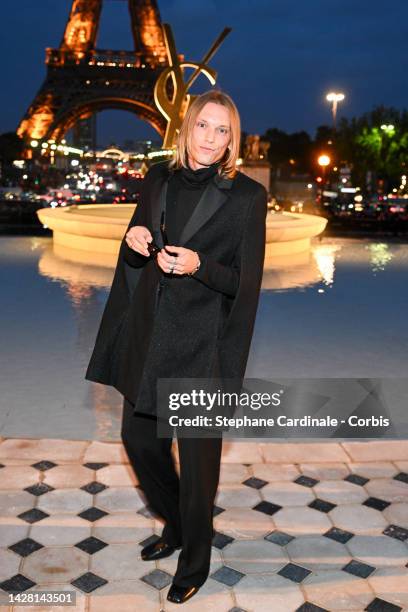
160	325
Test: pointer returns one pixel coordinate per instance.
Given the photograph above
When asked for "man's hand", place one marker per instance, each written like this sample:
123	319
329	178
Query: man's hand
183	261
137	239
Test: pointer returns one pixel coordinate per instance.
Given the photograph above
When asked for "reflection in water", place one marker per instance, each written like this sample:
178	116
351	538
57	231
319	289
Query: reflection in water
108	413
82	275
281	273
325	256
53	299
284	273
76	267
302	270
380	255
78	270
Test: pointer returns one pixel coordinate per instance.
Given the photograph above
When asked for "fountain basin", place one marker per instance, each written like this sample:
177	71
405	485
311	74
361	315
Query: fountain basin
99	228
90	227
289	233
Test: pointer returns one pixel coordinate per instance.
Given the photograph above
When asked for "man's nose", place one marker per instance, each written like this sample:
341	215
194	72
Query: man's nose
209	136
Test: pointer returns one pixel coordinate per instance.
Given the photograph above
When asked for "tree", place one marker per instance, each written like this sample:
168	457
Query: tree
367	146
285	147
359	142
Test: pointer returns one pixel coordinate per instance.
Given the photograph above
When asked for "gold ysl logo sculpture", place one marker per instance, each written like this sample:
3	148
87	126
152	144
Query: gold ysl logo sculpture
175	108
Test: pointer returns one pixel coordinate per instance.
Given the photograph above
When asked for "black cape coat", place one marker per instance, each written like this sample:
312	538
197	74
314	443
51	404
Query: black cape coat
159	325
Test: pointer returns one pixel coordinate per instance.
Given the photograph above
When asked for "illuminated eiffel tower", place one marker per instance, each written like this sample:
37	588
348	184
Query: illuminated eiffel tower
82	80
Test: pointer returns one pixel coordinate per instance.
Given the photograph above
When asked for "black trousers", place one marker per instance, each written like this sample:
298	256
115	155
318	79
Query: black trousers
186	503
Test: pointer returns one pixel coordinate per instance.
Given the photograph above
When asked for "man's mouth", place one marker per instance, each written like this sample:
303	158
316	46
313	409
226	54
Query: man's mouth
206	149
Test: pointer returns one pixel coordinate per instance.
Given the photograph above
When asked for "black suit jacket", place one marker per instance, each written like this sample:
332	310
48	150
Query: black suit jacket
202	325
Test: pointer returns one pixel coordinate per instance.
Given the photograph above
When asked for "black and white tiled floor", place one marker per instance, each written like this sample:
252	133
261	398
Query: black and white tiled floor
299	527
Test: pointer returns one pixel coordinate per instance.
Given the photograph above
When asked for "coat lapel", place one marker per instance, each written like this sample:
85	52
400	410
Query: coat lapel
213	197
211	200
158	204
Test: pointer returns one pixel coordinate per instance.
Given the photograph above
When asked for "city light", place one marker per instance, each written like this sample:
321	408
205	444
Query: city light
323	160
153	154
388	128
334	98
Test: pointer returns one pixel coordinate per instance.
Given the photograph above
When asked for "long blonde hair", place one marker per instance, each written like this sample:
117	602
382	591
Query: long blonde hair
227	167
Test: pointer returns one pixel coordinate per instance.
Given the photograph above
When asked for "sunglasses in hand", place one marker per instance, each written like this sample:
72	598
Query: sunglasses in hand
152	247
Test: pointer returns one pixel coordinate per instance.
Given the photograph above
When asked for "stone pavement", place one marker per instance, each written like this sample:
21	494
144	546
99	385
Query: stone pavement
300	526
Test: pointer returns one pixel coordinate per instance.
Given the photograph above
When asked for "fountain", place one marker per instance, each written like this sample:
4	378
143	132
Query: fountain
99	228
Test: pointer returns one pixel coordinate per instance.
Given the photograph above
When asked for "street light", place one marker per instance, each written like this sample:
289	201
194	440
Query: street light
323	161
334	98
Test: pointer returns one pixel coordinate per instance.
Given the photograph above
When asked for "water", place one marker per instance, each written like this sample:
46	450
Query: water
338	311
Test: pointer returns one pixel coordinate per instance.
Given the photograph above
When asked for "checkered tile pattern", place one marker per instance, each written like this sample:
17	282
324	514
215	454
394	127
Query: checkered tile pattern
287	537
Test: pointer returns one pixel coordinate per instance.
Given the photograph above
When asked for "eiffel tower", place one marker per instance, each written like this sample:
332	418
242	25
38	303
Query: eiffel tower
82	80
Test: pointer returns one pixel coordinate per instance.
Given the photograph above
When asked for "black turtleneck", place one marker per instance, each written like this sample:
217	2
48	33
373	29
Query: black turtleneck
184	191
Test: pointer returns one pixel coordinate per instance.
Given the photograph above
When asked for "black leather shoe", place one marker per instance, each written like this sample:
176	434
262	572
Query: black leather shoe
180	594
157	550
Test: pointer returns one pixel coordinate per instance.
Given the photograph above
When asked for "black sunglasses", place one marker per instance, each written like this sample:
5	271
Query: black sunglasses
152	246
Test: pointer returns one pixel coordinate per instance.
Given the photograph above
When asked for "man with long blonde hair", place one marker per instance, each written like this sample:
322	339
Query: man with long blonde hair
183	304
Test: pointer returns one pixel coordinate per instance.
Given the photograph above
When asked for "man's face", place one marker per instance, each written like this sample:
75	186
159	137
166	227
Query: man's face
211	135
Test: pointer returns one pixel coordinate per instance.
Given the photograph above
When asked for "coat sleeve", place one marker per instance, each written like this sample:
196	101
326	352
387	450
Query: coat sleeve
236	335
227	278
218	276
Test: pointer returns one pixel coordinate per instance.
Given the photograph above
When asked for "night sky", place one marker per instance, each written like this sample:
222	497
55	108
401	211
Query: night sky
279	61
